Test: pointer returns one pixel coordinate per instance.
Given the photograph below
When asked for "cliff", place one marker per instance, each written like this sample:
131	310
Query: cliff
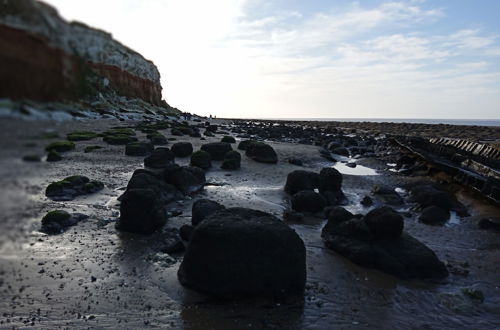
45	58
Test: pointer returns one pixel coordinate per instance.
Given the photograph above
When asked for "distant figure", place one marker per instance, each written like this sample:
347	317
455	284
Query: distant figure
210	117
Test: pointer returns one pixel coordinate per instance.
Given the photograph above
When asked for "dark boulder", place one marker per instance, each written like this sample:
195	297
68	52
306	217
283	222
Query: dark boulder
57	221
384	223
144	179
387	195
261	152
428	195
489	223
341	151
72	186
201	159
157	138
160	158
139	149
243	145
367	201
217	150
301	180
330	184
185	232
232	160
202	208
141	211
434	215
187	179
228	139
182	149
54	156
295	161
308	201
266	257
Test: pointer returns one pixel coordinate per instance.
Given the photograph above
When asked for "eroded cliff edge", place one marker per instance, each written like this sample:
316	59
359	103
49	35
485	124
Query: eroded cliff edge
45	58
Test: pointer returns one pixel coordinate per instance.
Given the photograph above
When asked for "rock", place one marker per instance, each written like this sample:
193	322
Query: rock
295	161
160	158
208	133
261	152
202	208
91	148
351	164
60	146
54	156
434	215
144	179
301	180
187	179
157	138
185	232
32	158
228	139
232	160
293	216
119	136
174	247
341	151
139	148
57	221
243	145
201	159
81	136
329	180
428	195
387	194
489	223
373	241
72	186
176	132
212	128
182	149
309	201
384	223
141	211
474	294
366	201
266	257
217	150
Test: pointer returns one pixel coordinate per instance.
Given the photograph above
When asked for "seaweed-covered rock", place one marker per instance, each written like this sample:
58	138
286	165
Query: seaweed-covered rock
54	156
202	208
187	179
57	221
243	145
182	149
141	211
232	160
266	256
377	241
301	180
217	150
81	136
60	146
308	201
228	139
139	148
261	152
144	179
157	138
434	215
160	158
119	139
72	186
91	148
201	159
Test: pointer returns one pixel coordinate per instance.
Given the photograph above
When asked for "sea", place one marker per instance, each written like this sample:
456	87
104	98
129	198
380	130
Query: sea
468	122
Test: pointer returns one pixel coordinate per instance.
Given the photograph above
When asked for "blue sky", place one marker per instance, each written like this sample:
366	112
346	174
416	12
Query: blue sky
314	59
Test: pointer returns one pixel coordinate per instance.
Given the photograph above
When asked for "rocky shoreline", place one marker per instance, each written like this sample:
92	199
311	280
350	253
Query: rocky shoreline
135	228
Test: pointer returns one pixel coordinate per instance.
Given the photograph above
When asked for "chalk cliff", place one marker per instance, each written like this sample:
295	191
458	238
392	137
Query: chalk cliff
45	58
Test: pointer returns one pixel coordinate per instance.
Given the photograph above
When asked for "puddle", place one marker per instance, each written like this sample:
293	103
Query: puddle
358	170
454	219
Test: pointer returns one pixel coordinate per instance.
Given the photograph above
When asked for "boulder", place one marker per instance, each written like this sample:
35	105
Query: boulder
243	252
139	149
160	158
144	179
489	223
301	180
308	201
377	241
232	160
141	211
72	186
228	139
60	146
295	161
329	180
341	151
187	179
243	145
202	208
427	195
434	215
54	156
387	194
57	221
157	138
182	149
217	150
261	152
185	232
201	159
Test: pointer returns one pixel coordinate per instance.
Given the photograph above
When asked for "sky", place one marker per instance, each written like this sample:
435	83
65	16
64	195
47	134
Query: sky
312	58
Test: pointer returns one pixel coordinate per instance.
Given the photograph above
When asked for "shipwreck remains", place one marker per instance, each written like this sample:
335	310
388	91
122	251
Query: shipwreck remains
473	164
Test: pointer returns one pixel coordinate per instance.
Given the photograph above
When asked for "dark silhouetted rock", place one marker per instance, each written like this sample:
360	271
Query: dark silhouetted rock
329	180
182	149
243	145
428	195
341	151
232	160
160	158
57	221
187	179
308	200
265	256
301	180
228	139
367	201
139	149
384	223
295	161
201	159
261	152
489	223
217	150
434	215
185	232
144	179
202	208
72	186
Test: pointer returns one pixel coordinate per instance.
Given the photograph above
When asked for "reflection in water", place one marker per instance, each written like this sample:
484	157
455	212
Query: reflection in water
358	170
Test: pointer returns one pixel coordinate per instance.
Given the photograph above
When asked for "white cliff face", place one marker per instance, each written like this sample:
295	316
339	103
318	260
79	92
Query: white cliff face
93	45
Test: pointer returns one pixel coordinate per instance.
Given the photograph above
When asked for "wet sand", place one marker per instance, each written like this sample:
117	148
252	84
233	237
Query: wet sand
95	277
